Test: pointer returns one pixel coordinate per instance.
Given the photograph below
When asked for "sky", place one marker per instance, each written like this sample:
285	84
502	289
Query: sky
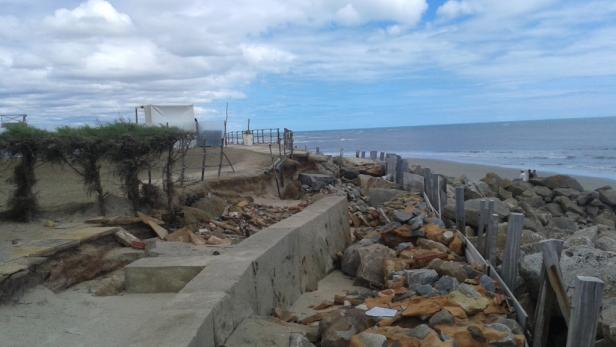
309	64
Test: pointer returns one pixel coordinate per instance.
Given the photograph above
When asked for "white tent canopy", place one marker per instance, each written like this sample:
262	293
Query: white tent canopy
181	116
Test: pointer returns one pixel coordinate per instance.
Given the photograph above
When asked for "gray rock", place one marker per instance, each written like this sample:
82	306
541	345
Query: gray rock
441	317
379	196
471	210
568	192
370	270
418	277
586	197
568	205
511	324
316	181
461	271
337	327
350	258
559	181
424	290
554	209
487	283
404	245
519	187
412	182
606	243
402	216
420	331
564	224
416	222
446	284
507	341
299	340
429	244
531	198
545	192
608	196
371	340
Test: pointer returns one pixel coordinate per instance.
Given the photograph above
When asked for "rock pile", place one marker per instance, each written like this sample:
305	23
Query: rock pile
422	292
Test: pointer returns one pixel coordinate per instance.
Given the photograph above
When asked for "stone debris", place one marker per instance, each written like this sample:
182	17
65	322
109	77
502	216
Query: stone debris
423	293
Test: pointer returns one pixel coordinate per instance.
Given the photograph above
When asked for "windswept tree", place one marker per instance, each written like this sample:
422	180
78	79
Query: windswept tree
83	149
134	147
27	145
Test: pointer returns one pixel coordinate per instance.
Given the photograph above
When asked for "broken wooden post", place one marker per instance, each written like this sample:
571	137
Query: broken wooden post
490	244
382	156
586	307
460	218
356	154
512	249
438	196
373	155
427	182
546	297
203	161
318	150
481	227
363	154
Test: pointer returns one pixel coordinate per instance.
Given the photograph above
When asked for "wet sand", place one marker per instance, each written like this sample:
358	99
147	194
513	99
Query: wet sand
475	172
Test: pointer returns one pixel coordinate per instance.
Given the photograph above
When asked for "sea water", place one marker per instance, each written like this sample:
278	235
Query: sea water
569	146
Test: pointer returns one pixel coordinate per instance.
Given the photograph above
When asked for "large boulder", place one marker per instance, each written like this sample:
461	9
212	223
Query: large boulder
412	182
471	210
350	258
316	181
338	327
379	196
608	196
367	182
371	260
519	187
559	181
568	205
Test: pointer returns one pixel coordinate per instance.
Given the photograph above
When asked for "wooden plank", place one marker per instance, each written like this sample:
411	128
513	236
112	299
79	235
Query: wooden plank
460	217
586	309
512	249
153	224
490	244
545	300
128	239
551	261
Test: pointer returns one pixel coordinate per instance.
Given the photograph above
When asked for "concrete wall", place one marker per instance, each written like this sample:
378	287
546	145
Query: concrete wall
269	269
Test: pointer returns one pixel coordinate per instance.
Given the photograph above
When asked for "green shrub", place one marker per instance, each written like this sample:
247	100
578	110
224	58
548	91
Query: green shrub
27	144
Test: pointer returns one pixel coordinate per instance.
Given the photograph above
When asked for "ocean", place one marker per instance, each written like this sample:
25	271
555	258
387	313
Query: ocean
585	147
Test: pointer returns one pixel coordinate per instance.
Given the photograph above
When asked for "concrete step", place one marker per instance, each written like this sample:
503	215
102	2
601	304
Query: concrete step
163	274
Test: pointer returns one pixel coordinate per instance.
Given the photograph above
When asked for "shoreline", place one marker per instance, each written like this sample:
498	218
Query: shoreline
475	172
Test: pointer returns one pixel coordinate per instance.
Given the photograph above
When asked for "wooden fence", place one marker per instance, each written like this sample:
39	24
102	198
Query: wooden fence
581	314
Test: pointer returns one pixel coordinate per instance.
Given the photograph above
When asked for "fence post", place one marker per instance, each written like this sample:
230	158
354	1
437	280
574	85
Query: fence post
460	217
373	155
483	217
586	307
490	244
512	249
546	298
203	164
318	150
363	154
382	156
356	154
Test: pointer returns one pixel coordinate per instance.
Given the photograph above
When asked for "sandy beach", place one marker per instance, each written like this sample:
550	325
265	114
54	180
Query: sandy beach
477	171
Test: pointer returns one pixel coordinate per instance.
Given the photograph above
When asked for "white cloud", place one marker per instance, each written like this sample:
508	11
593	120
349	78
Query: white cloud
93	16
111	55
456	8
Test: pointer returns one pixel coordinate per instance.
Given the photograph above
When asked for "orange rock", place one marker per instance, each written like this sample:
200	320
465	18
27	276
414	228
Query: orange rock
456	311
424	307
457	245
391	265
494	308
381	301
433	232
